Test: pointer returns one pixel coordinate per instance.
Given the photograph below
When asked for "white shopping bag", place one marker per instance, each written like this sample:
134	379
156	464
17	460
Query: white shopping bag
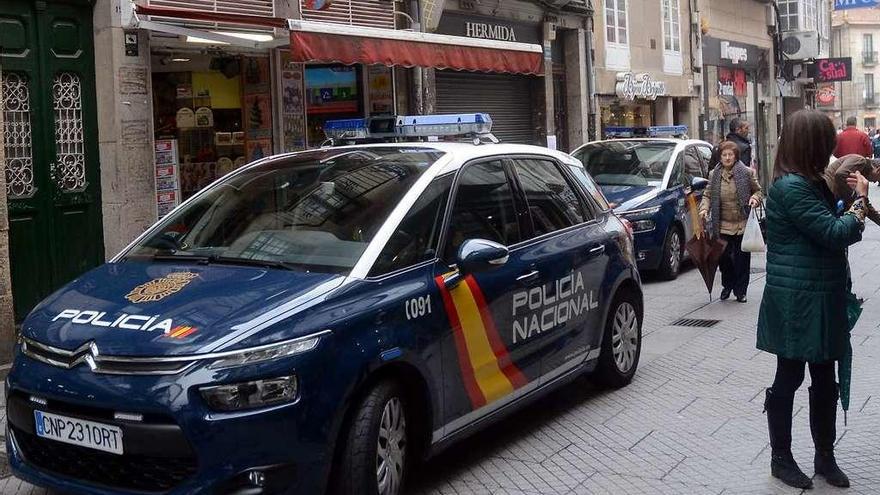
753	240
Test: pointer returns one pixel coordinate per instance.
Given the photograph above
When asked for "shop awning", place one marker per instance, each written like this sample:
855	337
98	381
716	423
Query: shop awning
333	43
323	42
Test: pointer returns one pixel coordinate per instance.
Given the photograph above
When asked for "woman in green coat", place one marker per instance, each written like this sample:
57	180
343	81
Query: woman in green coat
803	317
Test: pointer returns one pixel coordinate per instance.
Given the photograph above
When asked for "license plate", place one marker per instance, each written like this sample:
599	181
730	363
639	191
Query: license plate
79	432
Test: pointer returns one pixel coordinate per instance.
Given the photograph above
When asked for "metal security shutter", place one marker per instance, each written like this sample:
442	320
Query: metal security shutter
506	98
370	13
241	7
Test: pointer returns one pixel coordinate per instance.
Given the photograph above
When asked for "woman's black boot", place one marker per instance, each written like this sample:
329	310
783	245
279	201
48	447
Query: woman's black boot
823	425
782	463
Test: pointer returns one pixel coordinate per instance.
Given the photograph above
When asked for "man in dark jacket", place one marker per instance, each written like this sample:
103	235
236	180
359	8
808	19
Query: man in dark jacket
739	134
852	141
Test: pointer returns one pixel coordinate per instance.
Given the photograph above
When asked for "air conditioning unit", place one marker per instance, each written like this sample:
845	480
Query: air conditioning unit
800	45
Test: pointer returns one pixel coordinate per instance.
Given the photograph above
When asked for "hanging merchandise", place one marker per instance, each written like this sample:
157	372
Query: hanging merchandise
166	173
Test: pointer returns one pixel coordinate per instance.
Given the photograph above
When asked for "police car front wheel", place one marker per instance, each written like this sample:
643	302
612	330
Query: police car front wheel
621	343
374	460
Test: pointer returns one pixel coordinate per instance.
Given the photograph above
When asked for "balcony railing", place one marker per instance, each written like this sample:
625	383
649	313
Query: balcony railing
869	58
871	100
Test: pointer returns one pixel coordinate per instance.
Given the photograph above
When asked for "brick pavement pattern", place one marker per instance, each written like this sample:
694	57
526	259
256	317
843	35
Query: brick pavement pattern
690	423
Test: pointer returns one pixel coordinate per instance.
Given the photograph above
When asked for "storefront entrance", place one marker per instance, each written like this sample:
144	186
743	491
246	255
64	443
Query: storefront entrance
51	146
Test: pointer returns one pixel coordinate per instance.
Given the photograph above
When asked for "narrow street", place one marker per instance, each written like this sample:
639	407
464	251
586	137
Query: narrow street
690	423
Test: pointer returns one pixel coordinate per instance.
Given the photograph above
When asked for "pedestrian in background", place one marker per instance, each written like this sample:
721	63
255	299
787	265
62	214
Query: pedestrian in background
739	135
803	316
853	141
732	192
837	174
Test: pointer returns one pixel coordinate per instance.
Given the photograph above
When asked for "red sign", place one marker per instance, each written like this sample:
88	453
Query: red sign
317	4
832	69
825	95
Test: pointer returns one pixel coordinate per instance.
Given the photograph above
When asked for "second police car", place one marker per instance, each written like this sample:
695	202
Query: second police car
324	319
654	181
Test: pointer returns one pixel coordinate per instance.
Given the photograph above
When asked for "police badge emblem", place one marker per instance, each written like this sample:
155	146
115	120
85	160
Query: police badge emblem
160	288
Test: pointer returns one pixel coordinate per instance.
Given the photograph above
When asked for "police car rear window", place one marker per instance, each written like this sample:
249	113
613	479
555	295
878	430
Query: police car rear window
314	211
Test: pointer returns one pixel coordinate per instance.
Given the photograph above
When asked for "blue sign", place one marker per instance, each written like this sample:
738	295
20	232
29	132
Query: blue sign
854	4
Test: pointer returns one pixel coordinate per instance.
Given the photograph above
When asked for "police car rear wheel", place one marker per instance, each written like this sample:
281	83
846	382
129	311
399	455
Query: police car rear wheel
376	446
621	344
670	264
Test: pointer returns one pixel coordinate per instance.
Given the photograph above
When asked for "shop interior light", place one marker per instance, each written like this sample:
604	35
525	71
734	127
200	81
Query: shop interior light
180	60
247	36
196	39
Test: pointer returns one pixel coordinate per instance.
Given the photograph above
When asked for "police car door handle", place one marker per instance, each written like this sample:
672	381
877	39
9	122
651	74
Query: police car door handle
529	277
598	249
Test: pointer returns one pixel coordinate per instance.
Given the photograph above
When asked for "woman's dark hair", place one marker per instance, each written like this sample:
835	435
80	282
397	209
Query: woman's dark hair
728	145
808	139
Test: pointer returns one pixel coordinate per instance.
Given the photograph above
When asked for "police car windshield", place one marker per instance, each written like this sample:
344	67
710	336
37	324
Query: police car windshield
626	163
315	211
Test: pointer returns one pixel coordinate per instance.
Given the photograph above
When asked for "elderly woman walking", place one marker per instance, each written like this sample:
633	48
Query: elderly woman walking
732	192
803	318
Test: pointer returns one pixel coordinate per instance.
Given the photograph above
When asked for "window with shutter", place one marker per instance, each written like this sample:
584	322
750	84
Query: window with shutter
371	13
241	7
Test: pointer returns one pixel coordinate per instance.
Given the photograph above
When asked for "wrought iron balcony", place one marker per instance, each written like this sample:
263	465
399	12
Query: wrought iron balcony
869	58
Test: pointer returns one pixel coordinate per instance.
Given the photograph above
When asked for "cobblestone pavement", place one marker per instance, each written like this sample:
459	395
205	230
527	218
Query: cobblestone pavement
690	423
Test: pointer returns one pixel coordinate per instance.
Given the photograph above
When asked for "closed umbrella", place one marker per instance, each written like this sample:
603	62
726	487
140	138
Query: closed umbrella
705	252
844	364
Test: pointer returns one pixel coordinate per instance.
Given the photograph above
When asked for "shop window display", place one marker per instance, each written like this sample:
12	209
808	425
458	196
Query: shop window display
218	113
731	95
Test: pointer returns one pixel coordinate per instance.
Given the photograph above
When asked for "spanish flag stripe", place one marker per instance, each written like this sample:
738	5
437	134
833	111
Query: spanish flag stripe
467	369
189	330
487	371
177	331
517	379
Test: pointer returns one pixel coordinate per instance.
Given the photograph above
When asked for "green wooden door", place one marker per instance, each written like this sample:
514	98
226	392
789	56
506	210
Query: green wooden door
50	129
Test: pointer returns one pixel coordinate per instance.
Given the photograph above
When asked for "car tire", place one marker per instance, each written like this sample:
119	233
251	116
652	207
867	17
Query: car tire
375	453
670	261
621	343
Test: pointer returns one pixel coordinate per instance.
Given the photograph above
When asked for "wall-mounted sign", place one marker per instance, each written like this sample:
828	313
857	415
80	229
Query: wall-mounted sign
131	43
854	4
825	95
631	86
726	53
831	69
489	28
736	54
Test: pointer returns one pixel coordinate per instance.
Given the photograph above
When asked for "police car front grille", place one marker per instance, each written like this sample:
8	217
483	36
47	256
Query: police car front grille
88	355
125	472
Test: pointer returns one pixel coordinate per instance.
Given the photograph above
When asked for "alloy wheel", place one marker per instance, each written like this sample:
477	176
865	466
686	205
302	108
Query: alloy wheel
625	337
674	252
391	452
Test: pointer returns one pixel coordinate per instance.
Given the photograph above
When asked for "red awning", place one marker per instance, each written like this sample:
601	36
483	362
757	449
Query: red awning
323	42
340	43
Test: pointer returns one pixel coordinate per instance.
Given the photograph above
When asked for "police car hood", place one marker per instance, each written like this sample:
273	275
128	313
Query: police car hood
136	308
629	197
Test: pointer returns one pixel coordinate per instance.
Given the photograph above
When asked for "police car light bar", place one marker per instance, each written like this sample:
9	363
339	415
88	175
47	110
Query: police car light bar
347	129
652	131
464	124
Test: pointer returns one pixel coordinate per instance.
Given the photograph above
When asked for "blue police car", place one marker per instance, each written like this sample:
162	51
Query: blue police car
324	319
654	182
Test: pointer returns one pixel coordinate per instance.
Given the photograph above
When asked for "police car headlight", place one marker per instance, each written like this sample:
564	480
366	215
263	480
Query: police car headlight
268	352
642	225
644	212
251	395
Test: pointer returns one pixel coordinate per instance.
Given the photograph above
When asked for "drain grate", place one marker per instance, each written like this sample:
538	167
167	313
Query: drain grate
692	322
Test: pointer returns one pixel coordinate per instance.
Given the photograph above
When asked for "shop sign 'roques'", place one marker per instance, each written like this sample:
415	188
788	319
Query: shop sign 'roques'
631	86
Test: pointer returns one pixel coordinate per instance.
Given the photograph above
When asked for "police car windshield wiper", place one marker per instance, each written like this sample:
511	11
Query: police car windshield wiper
223	260
228	260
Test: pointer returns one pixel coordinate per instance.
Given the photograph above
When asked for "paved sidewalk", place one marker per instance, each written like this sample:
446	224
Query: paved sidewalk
690	423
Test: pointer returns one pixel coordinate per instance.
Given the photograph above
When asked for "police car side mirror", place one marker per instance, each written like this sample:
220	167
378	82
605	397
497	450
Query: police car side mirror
699	183
480	255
